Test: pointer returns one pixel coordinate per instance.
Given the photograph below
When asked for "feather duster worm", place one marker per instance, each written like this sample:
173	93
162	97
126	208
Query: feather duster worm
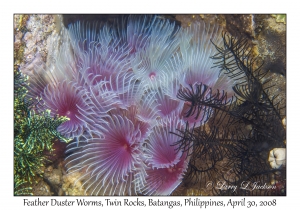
166	165
234	144
196	73
149	62
66	99
149	104
111	165
196	49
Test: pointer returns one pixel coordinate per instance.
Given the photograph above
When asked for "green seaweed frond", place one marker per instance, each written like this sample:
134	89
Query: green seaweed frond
21	187
34	134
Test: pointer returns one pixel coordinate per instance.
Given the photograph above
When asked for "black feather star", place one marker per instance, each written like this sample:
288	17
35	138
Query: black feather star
233	143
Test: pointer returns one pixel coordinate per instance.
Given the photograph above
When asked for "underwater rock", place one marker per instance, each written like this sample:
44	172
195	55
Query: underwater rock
41	188
34	36
54	177
187	20
271	43
234	24
71	185
240	24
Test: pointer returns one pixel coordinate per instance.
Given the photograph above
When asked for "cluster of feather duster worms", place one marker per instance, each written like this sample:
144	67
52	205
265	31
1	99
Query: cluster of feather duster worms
118	85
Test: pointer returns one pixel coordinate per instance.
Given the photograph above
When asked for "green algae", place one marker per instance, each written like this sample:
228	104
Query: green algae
34	134
280	18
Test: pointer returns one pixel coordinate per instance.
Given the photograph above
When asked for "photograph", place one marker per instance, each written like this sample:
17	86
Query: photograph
149	105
